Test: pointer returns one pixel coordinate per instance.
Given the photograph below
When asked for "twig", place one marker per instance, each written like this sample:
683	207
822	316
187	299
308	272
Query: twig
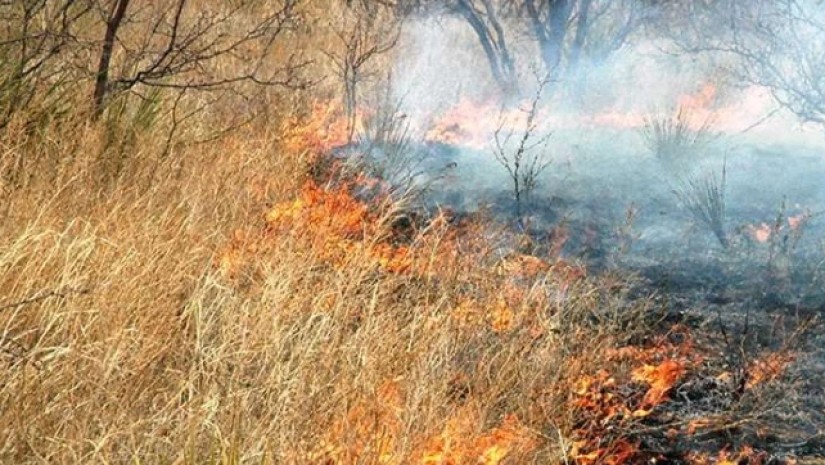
61	293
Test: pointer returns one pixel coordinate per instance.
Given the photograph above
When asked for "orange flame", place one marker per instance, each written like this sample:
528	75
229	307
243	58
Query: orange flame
701	100
334	224
768	368
455	446
661	379
469	123
323	129
370	428
745	455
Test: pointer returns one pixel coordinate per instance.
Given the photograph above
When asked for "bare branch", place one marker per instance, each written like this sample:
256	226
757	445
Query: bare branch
193	42
527	160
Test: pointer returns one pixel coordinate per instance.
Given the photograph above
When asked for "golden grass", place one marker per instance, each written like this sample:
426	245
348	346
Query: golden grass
184	300
122	342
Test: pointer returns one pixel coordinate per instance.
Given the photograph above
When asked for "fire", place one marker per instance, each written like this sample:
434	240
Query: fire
621	452
334	212
492	447
661	379
768	368
469	124
797	222
609	402
763	232
524	266
370	428
760	233
335	224
700	101
474	124
502	316
609	398
322	130
231	259
745	455
456	445
332	223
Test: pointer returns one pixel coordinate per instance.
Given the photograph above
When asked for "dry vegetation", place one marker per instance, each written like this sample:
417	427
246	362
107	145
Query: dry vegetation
677	139
173	292
138	324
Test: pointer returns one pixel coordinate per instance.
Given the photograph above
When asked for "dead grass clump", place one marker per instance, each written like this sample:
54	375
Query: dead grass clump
162	359
704	198
678	137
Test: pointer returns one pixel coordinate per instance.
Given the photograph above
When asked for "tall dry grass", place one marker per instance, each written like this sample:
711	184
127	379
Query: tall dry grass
122	342
152	309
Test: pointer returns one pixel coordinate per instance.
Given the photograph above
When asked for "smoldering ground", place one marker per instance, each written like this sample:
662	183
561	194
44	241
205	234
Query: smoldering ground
602	164
730	231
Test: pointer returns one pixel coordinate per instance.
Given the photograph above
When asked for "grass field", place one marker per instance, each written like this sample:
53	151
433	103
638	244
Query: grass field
221	288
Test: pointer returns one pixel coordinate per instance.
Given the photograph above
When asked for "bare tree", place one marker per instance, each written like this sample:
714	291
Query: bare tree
487	20
522	152
177	45
34	37
565	31
484	19
368	31
776	44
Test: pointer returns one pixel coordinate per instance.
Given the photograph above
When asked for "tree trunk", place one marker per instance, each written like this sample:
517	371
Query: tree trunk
553	47
582	29
493	43
102	78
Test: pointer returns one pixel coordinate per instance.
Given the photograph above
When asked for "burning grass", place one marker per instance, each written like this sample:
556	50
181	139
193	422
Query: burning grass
254	309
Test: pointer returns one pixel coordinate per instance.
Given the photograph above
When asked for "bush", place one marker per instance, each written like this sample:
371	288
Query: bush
678	137
704	197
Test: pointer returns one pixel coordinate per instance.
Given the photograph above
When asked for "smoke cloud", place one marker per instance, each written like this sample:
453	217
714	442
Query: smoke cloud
601	164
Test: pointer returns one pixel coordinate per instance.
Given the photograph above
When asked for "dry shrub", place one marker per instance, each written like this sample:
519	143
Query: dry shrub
677	138
703	196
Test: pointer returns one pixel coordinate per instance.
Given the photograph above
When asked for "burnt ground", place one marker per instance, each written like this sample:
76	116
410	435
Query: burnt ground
752	297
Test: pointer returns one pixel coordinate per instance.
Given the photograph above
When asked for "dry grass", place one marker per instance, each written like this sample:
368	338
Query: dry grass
123	343
703	196
211	304
676	138
183	300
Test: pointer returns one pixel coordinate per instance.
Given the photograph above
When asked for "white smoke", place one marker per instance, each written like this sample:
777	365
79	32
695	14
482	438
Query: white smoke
599	157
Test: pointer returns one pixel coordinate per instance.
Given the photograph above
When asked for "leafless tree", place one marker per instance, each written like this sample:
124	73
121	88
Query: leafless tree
522	151
487	20
34	36
46	45
484	18
776	44
177	45
367	32
565	31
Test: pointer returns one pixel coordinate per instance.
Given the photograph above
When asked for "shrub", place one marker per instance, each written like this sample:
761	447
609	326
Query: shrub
677	137
704	197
